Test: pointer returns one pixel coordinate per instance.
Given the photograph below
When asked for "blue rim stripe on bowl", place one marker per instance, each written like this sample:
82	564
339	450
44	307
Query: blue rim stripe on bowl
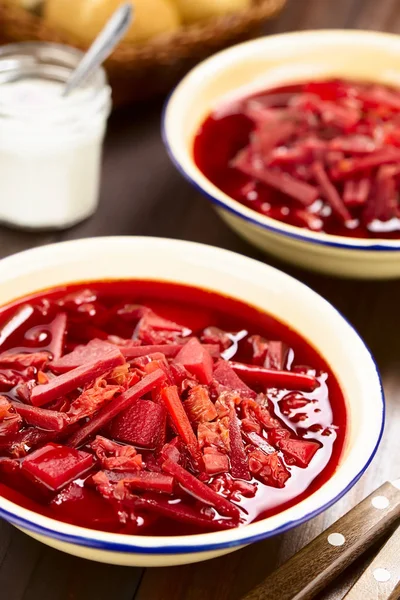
182	549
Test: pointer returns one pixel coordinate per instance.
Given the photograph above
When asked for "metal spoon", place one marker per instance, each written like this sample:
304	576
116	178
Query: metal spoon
102	47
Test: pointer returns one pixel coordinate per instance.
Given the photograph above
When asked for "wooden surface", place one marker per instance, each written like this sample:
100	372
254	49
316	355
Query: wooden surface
143	194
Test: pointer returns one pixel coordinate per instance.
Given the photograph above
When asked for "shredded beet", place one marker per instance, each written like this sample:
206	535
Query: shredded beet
238	456
314	158
114	408
76	378
200	490
121	418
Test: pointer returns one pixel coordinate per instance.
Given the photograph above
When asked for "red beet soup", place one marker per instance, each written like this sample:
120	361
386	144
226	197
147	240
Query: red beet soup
153	408
321	155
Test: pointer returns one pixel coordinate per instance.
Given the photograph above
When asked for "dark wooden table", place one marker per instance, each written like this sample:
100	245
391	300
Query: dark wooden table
143	194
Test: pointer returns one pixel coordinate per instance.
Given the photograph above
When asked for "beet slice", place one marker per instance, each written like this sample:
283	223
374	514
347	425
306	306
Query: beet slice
58	329
41	417
93	351
67	382
225	375
54	465
300	451
239	461
356	191
169	350
117	406
200	490
139	425
353	144
180	420
330	192
181	512
271	354
271	378
197	360
215	462
383	203
351	166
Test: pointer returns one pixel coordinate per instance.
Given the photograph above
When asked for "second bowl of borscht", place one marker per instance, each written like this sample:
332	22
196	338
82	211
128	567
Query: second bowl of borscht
164	402
295	138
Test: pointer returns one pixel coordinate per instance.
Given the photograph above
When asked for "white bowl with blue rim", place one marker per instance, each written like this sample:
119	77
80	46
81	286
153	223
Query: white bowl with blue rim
232	275
268	62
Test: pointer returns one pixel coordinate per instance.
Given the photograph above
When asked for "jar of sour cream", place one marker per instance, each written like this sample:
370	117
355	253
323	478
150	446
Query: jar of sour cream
50	146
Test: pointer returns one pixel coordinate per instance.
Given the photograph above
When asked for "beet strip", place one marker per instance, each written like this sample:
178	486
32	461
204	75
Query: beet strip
63	384
271	378
180	512
350	166
239	461
382	204
330	192
50	420
169	350
356	192
301	191
200	490
116	406
181	421
91	352
152	482
58	328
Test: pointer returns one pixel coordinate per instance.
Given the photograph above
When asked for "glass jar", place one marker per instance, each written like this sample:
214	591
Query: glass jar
50	146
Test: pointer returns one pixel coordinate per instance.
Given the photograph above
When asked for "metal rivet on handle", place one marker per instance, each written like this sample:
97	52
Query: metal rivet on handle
381	575
336	539
380	502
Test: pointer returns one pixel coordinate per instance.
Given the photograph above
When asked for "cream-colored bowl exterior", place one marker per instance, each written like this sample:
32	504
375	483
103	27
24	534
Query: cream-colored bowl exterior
270	61
232	275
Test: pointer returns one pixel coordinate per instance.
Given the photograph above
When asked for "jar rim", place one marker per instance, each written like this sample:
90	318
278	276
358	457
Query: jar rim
53	62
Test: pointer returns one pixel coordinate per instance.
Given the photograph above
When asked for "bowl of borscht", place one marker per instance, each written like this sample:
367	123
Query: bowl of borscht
164	402
295	138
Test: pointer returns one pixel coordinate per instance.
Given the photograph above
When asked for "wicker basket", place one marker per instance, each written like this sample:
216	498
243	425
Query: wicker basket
142	71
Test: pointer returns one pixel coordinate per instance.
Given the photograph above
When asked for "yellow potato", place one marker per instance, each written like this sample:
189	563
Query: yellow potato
28	4
85	18
197	10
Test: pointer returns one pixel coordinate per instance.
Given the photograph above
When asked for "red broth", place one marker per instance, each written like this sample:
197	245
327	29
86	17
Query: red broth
153	408
318	155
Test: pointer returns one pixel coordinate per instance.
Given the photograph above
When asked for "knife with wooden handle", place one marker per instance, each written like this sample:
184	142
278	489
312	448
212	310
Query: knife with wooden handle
381	580
318	563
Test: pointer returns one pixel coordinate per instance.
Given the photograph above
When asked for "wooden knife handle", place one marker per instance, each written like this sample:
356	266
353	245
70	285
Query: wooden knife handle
381	580
318	563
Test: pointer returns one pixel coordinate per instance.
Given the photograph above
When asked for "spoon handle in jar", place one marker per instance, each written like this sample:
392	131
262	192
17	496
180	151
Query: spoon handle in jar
102	47
318	563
